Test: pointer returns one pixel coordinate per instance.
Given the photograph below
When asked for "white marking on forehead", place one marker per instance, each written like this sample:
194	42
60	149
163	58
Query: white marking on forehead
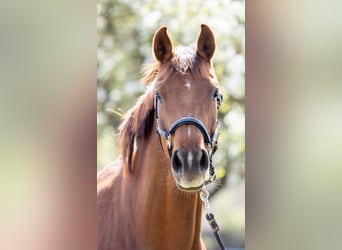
188	85
189	132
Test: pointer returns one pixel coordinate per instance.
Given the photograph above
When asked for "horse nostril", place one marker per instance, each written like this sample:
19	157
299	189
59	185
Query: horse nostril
177	161
204	161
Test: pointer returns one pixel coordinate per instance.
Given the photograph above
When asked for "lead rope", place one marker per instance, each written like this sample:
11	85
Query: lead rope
210	217
205	199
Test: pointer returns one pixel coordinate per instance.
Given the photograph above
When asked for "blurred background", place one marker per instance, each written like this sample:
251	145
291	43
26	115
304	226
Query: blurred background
124	37
293	125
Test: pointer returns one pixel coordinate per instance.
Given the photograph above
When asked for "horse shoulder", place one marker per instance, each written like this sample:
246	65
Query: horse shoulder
108	180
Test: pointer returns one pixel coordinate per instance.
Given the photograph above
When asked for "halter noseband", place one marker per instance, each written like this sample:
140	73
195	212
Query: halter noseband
187	120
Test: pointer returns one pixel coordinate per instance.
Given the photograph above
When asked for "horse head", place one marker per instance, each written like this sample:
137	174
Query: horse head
185	104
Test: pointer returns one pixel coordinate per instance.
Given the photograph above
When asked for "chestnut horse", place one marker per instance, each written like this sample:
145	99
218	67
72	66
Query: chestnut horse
150	198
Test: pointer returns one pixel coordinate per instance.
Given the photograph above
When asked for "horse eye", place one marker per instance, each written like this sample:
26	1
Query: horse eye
217	97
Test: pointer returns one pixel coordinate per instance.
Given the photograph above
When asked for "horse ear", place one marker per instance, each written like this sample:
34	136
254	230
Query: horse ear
206	43
162	45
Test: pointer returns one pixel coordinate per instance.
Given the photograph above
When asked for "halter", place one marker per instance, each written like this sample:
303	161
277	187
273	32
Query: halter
210	141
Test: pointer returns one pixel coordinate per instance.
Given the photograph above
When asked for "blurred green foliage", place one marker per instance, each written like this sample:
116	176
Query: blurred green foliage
125	31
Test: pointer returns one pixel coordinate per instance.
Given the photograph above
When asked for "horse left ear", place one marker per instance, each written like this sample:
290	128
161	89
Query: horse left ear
206	43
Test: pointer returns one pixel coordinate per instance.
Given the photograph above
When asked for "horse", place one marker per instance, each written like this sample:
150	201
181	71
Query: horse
150	197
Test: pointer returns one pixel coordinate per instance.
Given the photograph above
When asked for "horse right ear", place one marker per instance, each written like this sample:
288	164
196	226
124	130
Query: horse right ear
162	45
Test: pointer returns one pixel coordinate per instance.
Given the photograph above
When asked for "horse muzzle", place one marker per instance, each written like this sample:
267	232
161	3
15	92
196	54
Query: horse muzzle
189	168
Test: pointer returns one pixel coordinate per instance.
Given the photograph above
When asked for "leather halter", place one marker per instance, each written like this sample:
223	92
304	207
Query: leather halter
211	141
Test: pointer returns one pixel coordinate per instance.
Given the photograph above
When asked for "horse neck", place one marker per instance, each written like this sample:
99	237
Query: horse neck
170	218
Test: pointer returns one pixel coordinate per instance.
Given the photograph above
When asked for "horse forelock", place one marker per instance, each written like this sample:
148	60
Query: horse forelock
136	126
185	60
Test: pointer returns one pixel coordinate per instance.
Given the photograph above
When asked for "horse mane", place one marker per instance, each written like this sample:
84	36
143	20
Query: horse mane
138	121
137	125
